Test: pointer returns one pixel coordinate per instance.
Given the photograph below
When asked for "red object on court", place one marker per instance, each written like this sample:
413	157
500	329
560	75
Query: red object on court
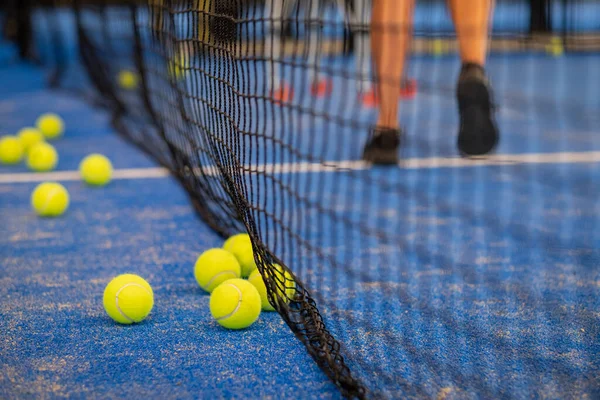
408	89
283	94
321	88
369	99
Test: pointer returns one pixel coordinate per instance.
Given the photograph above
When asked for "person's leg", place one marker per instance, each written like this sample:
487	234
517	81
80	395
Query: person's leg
471	21
478	133
368	98
391	27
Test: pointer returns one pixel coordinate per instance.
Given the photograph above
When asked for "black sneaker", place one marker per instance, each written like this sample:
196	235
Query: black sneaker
478	132
382	146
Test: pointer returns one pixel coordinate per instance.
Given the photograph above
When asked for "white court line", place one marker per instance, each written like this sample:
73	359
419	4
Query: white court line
64	176
411	163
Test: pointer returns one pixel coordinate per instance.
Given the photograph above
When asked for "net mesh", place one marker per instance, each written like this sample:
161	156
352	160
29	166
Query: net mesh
258	108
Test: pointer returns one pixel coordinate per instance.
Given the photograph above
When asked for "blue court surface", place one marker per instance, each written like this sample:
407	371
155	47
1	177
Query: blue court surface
498	295
56	339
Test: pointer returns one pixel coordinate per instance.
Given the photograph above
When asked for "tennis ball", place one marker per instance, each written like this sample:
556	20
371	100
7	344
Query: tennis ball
30	137
51	125
11	150
556	50
286	287
96	170
50	199
214	267
235	304
42	157
128	80
177	67
128	298
241	247
437	47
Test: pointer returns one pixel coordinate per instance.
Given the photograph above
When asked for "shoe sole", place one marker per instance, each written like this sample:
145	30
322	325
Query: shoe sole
382	157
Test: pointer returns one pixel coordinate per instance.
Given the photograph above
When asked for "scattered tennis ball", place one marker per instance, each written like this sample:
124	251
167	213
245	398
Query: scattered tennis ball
235	304
557	51
128	80
555	48
42	157
11	150
241	247
50	199
177	67
29	137
51	125
284	282
96	170
128	298
437	47
214	267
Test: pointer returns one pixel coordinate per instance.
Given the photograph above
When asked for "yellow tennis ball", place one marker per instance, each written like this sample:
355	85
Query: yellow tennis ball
235	304
96	170
437	47
51	125
557	50
128	80
11	150
214	267
178	67
241	247
128	298
286	287
50	199
42	157
30	137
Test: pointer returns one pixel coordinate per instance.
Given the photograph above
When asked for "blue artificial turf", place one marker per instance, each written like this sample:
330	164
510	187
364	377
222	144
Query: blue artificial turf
55	338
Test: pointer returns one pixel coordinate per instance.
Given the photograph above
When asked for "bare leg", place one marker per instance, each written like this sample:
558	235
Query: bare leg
471	20
361	20
390	38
